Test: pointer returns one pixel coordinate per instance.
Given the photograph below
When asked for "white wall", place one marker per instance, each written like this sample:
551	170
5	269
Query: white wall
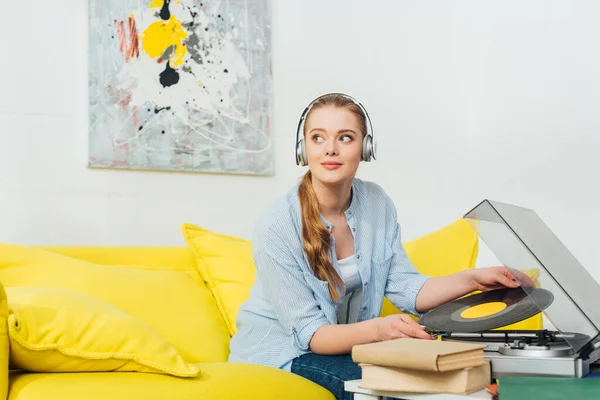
469	100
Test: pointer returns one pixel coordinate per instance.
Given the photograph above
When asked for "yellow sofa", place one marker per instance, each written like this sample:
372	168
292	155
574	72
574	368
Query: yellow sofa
181	300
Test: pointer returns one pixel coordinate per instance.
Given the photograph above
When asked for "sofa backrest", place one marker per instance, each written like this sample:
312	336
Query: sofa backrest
159	285
176	257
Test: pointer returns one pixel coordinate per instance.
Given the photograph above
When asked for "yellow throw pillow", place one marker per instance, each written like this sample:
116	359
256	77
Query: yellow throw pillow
226	265
60	330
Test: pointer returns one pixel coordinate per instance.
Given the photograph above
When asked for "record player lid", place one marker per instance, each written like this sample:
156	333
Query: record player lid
520	239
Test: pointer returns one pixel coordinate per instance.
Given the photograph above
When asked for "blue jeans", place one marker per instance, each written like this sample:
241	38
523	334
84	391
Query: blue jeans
328	371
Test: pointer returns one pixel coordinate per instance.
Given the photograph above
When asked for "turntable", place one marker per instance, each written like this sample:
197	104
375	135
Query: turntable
568	345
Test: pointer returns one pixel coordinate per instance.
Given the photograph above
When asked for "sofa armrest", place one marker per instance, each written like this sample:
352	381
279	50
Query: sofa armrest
3	343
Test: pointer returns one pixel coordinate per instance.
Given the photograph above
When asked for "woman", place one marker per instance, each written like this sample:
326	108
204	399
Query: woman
328	252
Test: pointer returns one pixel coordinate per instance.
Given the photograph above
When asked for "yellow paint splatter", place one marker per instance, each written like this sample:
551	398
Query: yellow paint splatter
159	36
159	3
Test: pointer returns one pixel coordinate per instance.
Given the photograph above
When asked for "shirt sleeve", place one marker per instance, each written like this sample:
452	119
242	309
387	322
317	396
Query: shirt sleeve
290	295
404	281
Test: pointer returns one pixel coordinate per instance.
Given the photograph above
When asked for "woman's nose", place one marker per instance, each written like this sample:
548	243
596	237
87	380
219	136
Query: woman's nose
331	148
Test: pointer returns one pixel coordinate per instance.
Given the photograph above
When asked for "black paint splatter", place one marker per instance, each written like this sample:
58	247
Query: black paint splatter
169	76
159	109
165	14
194	14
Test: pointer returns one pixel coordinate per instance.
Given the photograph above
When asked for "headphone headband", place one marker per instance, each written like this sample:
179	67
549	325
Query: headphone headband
369	143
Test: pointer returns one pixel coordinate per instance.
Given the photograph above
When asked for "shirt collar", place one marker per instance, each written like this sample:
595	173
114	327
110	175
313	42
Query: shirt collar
349	211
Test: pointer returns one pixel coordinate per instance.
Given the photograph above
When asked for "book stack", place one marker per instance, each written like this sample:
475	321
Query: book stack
423	366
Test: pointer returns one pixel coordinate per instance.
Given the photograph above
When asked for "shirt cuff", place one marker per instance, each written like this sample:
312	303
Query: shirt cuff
412	292
303	336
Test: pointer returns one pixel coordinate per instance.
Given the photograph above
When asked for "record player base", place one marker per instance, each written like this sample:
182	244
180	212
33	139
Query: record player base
569	366
369	394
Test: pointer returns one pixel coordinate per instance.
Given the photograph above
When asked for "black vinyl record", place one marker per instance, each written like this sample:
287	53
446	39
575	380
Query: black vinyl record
513	305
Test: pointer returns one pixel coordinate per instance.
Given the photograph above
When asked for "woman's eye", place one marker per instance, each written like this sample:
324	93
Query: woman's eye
346	138
317	139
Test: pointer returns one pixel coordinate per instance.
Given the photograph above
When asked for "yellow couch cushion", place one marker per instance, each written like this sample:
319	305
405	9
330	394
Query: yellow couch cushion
222	381
176	303
61	330
226	265
3	344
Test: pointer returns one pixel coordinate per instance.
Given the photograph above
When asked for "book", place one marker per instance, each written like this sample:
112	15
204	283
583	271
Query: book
420	354
460	381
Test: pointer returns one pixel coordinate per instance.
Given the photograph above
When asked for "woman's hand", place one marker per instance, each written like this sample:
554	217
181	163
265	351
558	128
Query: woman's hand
491	278
399	326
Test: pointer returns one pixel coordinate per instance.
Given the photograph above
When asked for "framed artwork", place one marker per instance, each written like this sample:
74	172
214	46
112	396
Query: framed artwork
180	85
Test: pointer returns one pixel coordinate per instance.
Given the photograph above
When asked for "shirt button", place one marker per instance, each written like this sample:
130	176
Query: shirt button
353	229
358	256
349	212
366	283
364	308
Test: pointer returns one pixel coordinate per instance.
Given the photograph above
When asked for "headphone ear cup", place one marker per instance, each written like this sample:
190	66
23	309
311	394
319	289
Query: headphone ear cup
298	155
304	158
367	152
301	154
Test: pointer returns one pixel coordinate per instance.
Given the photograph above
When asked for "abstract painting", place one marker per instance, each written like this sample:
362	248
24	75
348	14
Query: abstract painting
180	85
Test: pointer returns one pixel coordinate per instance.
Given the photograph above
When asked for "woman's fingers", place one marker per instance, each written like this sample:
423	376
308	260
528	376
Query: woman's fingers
521	277
411	328
506	279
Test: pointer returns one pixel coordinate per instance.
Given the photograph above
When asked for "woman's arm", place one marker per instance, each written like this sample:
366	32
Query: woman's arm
339	339
442	289
439	290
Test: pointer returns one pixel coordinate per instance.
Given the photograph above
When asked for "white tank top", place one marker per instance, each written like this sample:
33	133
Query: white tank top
349	269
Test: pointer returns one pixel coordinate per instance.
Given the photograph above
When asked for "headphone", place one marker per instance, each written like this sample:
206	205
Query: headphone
369	149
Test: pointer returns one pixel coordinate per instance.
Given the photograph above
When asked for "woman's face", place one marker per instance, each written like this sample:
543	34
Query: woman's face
333	144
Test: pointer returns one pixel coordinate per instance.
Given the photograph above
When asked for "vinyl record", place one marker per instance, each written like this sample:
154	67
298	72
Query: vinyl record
487	310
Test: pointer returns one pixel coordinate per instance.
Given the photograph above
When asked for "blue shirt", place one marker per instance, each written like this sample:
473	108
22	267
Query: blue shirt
288	303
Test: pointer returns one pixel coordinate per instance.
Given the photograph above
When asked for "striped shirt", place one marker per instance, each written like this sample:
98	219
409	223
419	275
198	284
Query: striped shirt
288	303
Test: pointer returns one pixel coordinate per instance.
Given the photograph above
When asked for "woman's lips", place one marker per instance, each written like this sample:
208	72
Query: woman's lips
331	165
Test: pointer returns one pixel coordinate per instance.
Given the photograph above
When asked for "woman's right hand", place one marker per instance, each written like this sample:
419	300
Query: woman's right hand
399	326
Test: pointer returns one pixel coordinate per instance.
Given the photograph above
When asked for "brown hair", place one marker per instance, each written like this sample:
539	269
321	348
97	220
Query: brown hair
315	235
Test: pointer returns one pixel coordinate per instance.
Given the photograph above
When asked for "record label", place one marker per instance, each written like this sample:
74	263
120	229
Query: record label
483	310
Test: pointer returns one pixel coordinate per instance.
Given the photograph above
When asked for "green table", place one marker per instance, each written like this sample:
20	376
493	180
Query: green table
538	388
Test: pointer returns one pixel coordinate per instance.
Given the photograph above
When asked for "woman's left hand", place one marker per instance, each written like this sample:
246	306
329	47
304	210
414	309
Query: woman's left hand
491	278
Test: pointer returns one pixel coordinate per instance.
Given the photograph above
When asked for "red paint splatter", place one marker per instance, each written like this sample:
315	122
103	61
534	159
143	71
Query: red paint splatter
120	97
136	117
133	37
128	39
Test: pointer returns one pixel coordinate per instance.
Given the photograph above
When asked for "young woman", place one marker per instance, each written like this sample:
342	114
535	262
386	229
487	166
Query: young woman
328	252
